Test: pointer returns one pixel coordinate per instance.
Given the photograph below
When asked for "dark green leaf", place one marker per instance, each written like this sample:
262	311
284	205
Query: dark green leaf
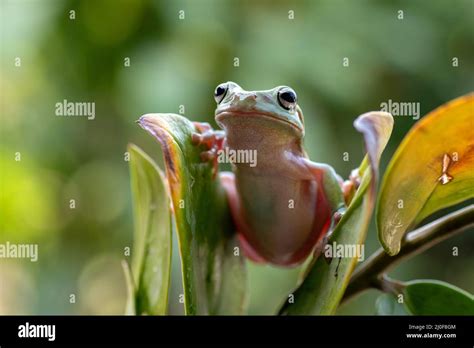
433	297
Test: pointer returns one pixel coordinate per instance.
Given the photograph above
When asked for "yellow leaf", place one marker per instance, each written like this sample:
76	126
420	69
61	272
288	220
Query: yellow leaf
432	169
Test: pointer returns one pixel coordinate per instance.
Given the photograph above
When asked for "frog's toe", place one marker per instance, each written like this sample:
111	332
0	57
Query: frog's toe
207	156
209	139
348	190
196	138
202	126
211	157
349	187
338	216
355	177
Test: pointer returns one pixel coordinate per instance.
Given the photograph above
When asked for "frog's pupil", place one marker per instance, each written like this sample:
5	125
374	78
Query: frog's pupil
219	91
288	97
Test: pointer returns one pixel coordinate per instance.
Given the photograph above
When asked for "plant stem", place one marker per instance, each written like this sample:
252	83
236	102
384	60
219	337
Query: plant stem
372	272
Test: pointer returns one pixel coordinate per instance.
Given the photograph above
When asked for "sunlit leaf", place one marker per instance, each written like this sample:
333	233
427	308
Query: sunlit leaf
387	304
214	277
324	284
415	185
151	254
433	297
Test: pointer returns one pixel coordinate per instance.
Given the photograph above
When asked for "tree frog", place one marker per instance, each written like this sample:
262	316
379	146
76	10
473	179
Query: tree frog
285	204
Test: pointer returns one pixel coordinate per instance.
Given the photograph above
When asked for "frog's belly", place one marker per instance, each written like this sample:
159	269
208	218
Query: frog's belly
280	215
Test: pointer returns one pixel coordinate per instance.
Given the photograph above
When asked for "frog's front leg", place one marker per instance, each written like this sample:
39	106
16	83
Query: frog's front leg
213	141
331	184
338	194
330	197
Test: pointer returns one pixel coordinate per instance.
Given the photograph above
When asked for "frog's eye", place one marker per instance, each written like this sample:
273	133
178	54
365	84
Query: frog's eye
287	98
220	92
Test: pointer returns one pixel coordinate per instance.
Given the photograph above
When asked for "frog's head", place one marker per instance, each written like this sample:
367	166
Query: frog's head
277	105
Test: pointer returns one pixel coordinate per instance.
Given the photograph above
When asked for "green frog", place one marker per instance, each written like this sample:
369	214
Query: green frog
283	204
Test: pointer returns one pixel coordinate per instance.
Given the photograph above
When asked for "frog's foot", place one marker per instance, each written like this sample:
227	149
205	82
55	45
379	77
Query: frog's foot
320	247
349	187
336	218
212	141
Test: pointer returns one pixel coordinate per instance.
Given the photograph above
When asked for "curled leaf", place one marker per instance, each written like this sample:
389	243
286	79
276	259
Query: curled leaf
324	284
432	169
213	268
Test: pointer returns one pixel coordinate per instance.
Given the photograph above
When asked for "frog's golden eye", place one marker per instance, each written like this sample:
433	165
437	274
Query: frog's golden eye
287	98
220	92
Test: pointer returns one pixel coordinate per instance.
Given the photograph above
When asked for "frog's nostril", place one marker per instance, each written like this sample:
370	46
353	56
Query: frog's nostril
251	96
247	97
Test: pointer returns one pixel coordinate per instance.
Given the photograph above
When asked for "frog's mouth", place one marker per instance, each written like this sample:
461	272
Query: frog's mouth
225	114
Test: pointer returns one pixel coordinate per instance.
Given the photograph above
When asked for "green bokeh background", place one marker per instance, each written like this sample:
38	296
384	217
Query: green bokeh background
177	62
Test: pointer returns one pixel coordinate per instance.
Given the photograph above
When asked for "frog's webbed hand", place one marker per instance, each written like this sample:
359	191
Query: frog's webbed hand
213	141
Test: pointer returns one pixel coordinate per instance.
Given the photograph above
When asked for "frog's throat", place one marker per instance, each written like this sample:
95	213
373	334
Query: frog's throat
239	113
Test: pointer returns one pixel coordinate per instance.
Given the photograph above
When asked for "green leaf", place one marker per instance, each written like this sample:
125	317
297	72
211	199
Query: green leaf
433	297
324	284
387	304
414	186
214	277
151	254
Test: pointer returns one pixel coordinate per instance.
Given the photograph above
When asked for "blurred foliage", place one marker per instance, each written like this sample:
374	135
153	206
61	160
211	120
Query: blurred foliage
177	62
